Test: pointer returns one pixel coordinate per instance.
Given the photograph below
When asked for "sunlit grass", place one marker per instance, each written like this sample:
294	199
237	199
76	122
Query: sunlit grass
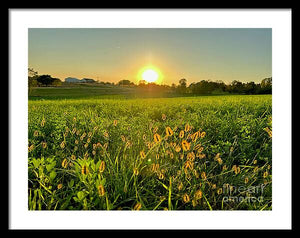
203	153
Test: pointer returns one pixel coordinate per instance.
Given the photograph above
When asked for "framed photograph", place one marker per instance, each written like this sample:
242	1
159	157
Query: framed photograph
150	119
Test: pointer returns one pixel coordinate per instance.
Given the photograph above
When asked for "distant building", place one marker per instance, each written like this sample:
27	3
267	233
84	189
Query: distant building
76	80
86	80
72	80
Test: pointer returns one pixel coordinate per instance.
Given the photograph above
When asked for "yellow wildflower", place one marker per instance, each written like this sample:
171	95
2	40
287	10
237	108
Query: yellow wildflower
185	145
59	186
101	190
102	167
169	131
137	206
181	134
186	198
157	138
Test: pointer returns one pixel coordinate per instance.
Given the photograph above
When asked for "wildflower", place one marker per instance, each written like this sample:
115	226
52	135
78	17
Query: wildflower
135	171
76	142
62	145
224	167
43	123
74	119
35	133
265	174
94	146
155	129
163	116
64	163
185	145
142	154
219	191
189	165
101	190
157	138
169	131
203	175
115	122
157	156
73	131
86	145
84	170
181	134
153	167
200	155
30	148
90	134
177	148
73	157
197	147
196	173
102	167
180	186
267	129
255	162
200	150
105	145
59	186
195	136
186	198
137	206
191	156
161	175
144	137
203	134
213	186
246	180
106	135
44	145
123	138
219	160
198	194
187	127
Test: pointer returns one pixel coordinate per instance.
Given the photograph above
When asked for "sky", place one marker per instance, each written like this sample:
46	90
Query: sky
113	54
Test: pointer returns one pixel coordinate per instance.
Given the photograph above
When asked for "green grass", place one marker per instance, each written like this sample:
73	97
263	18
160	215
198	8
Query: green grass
82	133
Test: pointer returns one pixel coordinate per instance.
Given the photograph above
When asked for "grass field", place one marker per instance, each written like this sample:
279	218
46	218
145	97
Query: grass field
182	153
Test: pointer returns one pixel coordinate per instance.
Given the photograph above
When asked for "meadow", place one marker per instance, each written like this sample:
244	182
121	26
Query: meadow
181	153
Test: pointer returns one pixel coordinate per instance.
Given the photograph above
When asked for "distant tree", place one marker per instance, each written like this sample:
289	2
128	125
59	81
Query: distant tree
250	88
182	85
32	82
125	82
237	86
56	82
266	86
45	79
142	83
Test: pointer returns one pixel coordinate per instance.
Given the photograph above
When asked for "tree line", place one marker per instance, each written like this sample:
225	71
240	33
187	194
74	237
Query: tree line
203	87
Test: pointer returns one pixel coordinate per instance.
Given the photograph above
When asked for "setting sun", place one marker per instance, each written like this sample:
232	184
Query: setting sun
150	75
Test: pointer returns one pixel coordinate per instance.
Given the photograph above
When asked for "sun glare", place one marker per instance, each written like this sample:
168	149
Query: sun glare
150	75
